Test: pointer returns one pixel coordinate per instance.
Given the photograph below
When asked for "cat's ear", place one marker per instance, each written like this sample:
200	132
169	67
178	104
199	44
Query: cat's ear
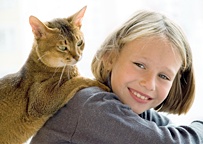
77	17
38	28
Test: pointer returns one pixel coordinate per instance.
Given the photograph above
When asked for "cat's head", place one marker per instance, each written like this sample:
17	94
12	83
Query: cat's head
59	42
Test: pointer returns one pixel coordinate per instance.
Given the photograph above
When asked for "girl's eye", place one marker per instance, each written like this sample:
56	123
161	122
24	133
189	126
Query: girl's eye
139	65
62	48
79	43
164	77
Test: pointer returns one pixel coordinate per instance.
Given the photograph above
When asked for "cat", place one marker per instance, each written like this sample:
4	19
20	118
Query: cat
46	82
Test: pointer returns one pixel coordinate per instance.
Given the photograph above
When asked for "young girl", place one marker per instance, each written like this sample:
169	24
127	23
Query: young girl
147	63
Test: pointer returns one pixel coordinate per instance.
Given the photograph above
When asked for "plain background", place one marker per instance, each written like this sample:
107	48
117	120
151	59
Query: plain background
101	18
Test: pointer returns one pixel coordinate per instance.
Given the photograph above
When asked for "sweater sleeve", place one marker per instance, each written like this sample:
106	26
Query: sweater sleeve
158	118
93	116
104	119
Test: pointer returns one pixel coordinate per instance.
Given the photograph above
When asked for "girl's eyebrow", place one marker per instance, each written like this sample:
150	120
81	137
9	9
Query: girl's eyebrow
170	71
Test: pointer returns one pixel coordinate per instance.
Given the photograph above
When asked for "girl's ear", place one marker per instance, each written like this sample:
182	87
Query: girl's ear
38	28
77	17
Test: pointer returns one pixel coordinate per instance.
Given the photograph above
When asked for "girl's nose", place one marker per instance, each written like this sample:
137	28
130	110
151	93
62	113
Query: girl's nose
148	81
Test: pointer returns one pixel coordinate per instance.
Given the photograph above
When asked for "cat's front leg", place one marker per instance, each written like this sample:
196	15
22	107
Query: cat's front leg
48	97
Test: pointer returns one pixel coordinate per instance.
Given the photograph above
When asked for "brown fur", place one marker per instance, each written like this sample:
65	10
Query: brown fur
47	81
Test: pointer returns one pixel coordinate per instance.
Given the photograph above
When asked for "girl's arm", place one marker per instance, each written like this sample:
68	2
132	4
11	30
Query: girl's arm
156	117
104	119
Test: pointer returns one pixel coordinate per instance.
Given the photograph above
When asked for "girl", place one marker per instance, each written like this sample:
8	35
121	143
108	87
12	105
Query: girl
147	63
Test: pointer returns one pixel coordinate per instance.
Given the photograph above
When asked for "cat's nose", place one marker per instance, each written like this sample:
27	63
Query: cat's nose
77	58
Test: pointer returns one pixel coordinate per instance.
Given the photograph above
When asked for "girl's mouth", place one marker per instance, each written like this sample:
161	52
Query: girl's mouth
139	97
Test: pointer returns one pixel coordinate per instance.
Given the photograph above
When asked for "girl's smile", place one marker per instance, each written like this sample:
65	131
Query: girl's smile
143	73
139	97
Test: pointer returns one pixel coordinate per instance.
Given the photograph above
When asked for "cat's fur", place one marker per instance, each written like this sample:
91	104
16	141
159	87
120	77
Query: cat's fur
48	79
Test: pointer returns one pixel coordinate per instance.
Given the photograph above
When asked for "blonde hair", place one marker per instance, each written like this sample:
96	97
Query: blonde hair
147	24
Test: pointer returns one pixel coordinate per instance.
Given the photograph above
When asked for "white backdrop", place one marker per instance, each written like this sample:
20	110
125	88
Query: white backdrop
102	16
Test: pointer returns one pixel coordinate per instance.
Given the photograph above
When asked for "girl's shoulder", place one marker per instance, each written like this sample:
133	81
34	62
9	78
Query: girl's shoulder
95	95
93	101
94	92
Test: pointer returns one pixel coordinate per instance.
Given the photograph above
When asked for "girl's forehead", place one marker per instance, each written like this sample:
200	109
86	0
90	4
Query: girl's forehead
147	44
152	49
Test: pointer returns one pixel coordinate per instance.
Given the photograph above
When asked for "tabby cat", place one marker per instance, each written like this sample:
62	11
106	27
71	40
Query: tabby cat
48	79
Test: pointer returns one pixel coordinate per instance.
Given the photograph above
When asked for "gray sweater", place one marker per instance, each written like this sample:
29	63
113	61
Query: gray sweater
93	116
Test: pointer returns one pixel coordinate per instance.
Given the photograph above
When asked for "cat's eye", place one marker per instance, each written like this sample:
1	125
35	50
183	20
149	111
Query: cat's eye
62	48
80	43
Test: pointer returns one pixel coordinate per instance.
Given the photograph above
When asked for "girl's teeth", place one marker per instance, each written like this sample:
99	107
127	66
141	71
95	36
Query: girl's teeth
140	96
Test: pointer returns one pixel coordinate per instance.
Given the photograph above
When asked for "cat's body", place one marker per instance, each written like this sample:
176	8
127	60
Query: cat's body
47	80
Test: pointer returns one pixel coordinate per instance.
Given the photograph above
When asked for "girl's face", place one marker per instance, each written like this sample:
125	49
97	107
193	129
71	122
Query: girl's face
144	72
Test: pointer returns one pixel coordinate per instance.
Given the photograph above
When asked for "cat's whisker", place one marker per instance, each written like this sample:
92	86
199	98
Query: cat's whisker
68	73
55	72
41	57
62	74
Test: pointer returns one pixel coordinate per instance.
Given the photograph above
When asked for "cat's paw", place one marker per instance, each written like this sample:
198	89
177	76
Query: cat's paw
101	85
87	82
